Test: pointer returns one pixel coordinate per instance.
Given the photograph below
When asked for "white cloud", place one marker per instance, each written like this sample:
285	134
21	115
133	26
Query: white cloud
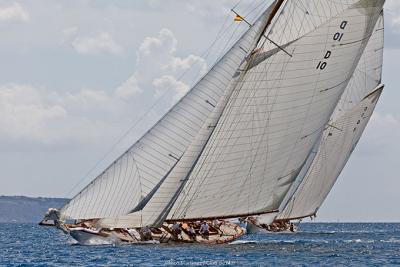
103	42
129	89
158	64
14	13
168	81
51	117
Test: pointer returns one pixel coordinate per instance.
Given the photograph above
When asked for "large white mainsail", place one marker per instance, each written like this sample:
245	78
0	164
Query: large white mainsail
342	134
279	109
132	180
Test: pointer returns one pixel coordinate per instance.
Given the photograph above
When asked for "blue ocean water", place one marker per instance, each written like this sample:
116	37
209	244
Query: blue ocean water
315	244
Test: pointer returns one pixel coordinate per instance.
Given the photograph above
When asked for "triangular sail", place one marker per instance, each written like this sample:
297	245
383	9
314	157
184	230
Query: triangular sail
278	110
342	134
133	179
332	156
160	205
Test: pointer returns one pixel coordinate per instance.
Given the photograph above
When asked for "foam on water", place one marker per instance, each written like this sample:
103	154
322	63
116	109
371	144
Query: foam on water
315	244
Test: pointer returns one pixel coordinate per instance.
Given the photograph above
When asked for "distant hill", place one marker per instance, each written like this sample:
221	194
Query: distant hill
26	209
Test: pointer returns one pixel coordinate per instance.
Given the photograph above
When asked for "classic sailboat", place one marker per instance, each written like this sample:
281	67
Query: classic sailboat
236	143
339	140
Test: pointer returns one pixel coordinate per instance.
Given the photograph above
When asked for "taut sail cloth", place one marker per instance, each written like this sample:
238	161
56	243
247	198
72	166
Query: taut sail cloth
279	109
133	178
342	134
236	142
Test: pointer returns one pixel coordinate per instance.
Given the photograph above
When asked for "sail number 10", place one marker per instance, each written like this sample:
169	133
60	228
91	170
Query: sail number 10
336	37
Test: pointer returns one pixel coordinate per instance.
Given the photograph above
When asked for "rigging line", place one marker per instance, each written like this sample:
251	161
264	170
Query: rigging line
260	35
266	37
228	108
302	25
204	54
258	149
332	126
187	178
192	183
308	109
228	111
259	81
181	187
268	113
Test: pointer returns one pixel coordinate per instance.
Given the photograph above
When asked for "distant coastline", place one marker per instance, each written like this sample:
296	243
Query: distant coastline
21	209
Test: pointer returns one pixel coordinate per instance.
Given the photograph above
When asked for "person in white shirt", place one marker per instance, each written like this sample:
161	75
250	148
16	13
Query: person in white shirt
204	230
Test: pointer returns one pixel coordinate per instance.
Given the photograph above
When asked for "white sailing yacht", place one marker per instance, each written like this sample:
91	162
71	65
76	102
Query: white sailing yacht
339	140
237	142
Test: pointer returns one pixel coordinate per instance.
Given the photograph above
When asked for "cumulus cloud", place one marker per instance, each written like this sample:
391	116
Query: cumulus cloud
103	42
168	81
47	117
51	117
14	13
159	66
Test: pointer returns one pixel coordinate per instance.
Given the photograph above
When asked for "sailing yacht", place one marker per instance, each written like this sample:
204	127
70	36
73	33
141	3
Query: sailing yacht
240	140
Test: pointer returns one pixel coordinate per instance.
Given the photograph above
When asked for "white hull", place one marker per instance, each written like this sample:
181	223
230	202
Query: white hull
254	229
86	238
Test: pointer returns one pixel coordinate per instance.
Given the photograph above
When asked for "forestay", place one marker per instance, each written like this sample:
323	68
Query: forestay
279	109
342	133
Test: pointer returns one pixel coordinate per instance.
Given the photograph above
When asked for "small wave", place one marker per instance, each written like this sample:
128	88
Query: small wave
391	240
241	242
358	241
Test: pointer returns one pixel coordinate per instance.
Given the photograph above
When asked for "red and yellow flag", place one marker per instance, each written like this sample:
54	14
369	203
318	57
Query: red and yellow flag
238	18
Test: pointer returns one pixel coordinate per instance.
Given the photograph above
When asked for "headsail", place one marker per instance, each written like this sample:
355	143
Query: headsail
332	156
342	134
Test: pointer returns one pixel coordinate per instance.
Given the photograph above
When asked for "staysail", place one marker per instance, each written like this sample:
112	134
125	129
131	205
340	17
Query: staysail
342	134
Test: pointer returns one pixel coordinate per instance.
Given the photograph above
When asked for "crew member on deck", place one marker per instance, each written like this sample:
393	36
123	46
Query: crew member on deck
191	232
204	230
177	229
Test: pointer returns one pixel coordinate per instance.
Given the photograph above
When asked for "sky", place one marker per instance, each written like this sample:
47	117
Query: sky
81	80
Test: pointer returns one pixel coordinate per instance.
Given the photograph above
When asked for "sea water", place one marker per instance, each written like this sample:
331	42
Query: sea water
316	244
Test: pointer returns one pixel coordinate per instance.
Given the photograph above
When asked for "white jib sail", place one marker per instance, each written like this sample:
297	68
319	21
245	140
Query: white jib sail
338	140
336	148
